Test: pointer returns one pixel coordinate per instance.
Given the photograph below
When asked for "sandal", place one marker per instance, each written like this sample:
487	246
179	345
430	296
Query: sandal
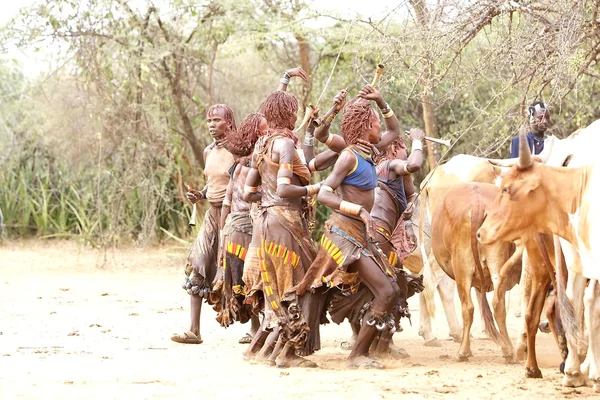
363	362
295	362
246	339
346	345
186	337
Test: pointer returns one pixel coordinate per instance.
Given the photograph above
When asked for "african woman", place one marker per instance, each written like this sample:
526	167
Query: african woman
285	251
350	234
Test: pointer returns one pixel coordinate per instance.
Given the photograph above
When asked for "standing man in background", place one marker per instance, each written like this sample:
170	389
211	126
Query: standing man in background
539	121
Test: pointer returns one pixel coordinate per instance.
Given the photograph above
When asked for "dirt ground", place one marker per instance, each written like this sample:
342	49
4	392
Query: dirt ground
81	323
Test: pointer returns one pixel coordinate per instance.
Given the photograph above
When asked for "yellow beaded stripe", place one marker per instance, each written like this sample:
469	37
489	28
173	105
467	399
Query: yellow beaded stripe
239	290
393	258
384	232
332	250
286	166
237	250
280	251
267	288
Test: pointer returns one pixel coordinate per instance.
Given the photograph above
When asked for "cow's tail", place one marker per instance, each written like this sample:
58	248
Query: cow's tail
428	274
566	311
477	214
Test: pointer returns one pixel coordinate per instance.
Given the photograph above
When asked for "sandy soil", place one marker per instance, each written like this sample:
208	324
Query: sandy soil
80	323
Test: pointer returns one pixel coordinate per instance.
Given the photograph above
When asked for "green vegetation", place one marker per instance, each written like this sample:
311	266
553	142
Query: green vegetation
100	146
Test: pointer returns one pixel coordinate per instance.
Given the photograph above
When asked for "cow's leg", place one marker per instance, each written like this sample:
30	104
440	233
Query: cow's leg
592	309
539	286
573	375
525	289
446	289
498	302
425	324
425	318
464	293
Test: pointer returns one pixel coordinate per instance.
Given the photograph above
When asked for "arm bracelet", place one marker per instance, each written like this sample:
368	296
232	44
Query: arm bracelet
388	114
250	189
417	144
226	203
327	188
285	78
329	140
386	108
312	165
350	208
309	141
283	181
312	189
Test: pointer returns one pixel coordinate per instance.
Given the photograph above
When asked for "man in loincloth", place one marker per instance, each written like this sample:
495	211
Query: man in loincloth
236	228
202	260
350	235
285	251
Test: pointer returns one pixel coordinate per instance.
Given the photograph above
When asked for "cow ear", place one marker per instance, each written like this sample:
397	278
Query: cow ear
500	173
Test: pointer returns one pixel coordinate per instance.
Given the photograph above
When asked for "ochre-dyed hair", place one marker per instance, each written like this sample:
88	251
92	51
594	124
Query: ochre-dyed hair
391	151
281	110
241	142
227	113
357	119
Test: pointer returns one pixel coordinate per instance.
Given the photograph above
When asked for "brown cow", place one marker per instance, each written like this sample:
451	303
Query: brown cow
455	246
540	198
459	169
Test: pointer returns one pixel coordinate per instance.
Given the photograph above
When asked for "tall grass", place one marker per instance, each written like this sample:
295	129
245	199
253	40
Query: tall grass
41	197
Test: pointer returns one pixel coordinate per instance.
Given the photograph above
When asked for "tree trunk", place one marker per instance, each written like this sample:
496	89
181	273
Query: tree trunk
304	53
433	154
188	129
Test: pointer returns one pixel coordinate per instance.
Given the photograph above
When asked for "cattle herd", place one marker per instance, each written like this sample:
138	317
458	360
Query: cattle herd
529	220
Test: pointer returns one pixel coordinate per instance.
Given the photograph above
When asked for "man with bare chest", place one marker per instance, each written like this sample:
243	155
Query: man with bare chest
202	260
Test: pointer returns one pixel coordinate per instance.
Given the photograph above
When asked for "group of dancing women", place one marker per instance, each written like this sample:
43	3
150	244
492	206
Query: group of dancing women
254	256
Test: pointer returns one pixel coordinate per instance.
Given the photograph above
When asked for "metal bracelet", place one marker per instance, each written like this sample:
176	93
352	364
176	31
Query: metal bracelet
389	114
385	109
417	144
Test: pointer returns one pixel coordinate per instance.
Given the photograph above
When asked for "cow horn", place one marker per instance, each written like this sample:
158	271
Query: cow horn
525	159
545	154
503	162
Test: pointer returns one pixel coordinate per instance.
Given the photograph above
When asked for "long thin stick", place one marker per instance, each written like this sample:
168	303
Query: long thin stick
336	61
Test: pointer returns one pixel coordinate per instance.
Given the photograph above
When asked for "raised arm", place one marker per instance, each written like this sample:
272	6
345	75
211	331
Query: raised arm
392	125
309	137
334	142
415	159
289	74
251	188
